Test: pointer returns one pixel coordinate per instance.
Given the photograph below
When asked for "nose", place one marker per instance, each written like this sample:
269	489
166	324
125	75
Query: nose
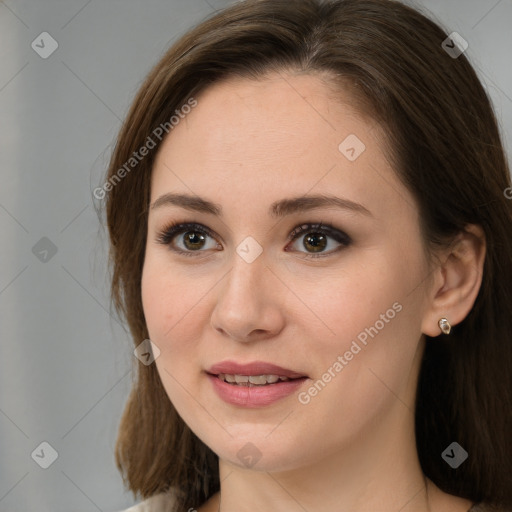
249	302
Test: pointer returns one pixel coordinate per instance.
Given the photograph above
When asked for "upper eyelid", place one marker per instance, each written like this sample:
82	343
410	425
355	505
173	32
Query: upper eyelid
302	228
201	227
321	226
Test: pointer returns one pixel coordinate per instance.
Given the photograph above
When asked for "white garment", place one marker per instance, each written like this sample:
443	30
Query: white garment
158	503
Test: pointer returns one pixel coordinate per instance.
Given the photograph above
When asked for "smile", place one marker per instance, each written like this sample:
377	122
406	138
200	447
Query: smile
251	380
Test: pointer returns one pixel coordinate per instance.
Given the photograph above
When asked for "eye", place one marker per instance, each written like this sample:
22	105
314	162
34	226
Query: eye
315	238
194	238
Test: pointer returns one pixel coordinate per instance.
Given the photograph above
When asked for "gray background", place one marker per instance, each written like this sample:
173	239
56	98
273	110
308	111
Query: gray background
65	364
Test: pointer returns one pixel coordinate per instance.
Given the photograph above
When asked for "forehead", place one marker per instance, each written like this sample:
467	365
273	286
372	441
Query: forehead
255	141
282	117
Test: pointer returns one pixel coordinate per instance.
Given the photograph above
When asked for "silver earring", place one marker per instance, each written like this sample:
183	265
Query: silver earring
445	326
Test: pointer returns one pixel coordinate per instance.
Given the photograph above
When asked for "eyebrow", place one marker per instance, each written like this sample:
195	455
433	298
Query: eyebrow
277	209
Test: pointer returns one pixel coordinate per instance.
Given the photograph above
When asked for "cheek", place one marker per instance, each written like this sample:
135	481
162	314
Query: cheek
168	299
158	301
374	323
356	298
174	302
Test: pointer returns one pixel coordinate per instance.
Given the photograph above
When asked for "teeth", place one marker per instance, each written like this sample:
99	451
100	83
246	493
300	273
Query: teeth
251	380
257	379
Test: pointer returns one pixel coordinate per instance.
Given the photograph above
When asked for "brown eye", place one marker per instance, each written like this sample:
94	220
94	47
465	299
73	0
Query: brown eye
193	238
315	239
317	242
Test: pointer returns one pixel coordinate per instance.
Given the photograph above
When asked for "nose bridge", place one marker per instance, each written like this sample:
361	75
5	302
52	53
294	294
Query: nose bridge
243	303
248	262
242	287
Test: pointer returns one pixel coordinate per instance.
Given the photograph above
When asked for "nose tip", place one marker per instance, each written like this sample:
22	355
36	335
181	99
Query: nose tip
247	307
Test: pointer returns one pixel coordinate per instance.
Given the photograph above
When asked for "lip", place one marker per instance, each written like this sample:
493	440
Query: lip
256	396
253	368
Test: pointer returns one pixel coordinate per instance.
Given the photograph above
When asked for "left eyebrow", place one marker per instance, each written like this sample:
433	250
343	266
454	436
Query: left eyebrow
305	203
277	209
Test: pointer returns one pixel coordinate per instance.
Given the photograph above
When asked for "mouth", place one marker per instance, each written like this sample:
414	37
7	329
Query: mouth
256	384
255	374
253	380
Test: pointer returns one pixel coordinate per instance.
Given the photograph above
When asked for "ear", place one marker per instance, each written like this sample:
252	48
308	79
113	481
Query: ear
456	281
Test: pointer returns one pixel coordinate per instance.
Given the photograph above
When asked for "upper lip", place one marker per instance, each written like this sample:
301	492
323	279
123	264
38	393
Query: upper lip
253	368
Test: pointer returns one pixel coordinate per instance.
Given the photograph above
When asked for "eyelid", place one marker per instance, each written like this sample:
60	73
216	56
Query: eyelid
338	235
169	232
321	227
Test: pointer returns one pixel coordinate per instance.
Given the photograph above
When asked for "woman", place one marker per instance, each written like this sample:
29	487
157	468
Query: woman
308	215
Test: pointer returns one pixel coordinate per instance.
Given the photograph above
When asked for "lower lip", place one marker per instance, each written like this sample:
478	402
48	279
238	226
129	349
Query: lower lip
255	396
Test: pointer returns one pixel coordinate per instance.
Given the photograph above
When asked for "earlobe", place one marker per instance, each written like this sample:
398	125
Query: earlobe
460	275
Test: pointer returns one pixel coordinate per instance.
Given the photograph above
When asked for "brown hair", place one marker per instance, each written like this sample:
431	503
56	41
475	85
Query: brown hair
447	151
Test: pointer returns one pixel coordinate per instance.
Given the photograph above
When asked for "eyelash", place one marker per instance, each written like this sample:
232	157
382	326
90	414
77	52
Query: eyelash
166	236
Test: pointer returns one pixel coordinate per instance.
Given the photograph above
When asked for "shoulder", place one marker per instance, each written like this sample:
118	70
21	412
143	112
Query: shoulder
158	503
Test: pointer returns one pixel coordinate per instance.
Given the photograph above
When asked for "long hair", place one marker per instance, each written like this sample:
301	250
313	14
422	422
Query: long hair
445	145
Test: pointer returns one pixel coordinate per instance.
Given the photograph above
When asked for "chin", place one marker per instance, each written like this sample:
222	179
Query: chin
257	453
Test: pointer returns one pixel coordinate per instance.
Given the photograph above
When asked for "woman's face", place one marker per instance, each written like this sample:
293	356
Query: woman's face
235	288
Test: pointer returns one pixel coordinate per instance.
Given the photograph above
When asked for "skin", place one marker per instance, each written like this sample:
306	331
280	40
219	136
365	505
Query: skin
352	447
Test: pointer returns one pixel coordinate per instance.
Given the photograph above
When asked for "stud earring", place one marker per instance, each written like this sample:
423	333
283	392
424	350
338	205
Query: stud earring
445	326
